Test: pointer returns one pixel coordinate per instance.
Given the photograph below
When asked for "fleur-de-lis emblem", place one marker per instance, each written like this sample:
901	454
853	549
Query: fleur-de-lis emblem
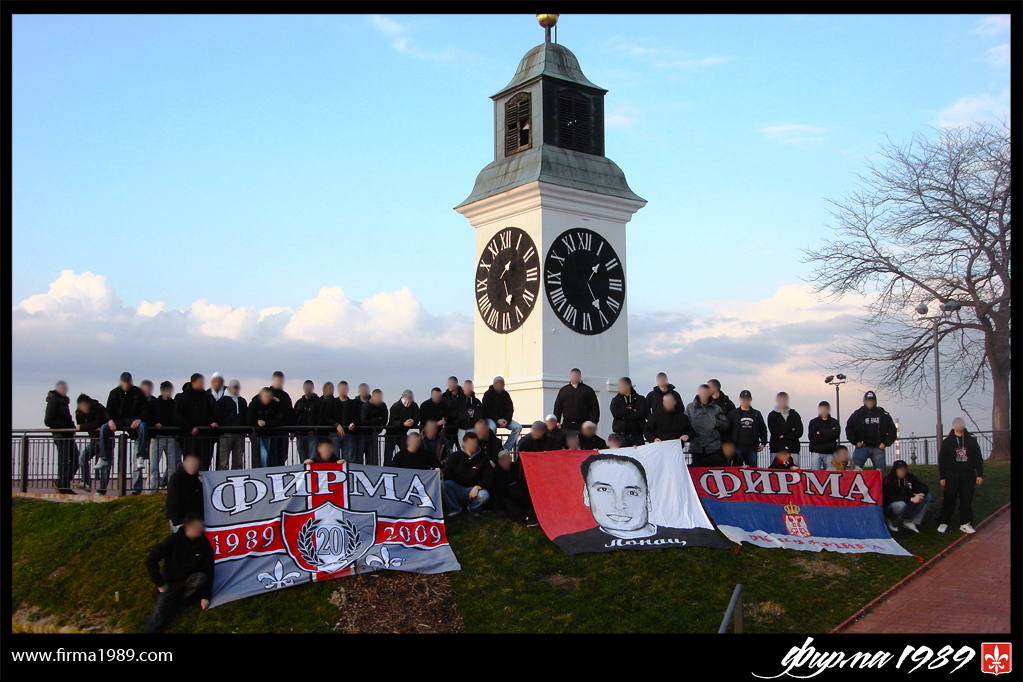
278	579
384	560
997	660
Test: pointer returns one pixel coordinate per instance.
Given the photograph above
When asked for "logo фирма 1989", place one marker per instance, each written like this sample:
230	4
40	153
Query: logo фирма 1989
996	657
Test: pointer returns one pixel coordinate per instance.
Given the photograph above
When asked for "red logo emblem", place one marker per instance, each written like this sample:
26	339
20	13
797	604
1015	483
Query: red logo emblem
795	523
996	657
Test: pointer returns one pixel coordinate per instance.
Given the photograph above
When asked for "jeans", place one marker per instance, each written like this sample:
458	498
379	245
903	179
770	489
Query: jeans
175	594
455	496
306	446
266	451
391	443
91	450
822	460
152	477
168	447
364	445
346	446
515	430
231	452
67	461
896	512
874	454
106	440
748	457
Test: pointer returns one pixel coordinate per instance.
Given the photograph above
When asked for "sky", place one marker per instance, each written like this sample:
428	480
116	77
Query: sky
250	193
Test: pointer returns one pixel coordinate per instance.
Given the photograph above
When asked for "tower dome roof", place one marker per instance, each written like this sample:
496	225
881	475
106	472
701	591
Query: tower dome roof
552	61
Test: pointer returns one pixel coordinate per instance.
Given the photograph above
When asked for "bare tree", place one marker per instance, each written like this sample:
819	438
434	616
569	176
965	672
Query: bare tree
930	222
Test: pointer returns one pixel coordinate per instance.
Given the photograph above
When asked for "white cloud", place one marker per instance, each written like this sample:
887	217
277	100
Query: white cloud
622	117
147	309
400	35
982	108
71	293
993	26
663	57
794	134
999	55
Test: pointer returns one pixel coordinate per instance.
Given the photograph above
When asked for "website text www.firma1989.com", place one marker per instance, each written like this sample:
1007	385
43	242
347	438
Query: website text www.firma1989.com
97	655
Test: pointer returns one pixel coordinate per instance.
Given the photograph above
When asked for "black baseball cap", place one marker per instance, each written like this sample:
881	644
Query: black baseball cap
869	395
745	394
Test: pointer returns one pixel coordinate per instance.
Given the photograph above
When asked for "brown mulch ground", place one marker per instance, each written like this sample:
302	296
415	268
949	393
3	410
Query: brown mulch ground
395	602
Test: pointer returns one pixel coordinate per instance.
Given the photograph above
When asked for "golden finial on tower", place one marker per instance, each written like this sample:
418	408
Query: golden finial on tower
548	21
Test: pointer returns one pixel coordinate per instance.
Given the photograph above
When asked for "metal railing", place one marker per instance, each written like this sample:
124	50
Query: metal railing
734	610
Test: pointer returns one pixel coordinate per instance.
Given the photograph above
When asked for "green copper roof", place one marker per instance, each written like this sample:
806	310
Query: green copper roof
550	60
555	165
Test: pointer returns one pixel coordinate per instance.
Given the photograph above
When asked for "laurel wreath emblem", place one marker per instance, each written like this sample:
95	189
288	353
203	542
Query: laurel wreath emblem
307	545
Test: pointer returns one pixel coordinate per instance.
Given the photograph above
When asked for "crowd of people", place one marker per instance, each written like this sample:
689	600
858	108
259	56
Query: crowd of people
456	433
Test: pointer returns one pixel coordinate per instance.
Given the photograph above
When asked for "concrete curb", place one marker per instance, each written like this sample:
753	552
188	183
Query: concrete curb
909	578
64	499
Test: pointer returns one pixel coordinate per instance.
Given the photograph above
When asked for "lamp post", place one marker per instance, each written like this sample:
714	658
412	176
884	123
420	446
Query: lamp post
922	310
836	380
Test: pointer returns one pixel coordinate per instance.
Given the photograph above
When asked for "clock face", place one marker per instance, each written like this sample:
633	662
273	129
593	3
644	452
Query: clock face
584	281
507	280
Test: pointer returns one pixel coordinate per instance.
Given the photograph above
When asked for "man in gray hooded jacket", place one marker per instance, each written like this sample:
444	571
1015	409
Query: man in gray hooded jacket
708	421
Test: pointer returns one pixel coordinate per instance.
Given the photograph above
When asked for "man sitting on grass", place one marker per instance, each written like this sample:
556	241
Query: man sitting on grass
510	490
905	498
468	476
413	455
187	569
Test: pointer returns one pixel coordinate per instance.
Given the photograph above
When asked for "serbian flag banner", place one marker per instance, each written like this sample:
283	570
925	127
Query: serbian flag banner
807	510
624	498
284	526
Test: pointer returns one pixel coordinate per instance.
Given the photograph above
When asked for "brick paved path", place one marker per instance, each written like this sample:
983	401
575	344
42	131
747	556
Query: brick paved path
972	582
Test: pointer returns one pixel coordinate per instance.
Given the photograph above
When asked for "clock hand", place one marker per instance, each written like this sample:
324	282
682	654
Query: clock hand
595	268
507	296
596	303
505	271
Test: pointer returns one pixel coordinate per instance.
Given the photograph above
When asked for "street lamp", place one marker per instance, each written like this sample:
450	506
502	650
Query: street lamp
836	380
922	310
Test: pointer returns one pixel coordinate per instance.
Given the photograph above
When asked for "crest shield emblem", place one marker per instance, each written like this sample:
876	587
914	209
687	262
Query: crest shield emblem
328	539
795	523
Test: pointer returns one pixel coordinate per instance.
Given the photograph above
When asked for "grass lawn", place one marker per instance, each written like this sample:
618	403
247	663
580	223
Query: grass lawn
68	560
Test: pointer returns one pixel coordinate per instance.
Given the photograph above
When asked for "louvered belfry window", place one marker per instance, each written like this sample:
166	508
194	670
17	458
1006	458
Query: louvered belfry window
574	122
517	130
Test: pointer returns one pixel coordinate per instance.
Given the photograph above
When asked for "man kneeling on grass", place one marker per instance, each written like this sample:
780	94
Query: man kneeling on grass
187	570
905	498
468	475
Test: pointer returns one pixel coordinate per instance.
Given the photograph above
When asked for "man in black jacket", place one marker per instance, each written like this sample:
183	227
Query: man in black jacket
184	491
193	408
588	438
373	419
471	410
961	469
403	416
143	458
721	400
308	416
785	425
414	456
905	498
630	412
655	398
576	403
748	430
510	490
468	478
187	571
537	440
555	433
229	414
265	415
58	416
669	423
434	440
127	410
487	442
434	409
346	414
90	417
497	403
824	432
282	396
454	401
163	440
870	429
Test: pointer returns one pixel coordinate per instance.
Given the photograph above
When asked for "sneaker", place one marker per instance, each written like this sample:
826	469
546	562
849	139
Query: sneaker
532	523
942	527
84	487
909	525
454	512
891	528
967	528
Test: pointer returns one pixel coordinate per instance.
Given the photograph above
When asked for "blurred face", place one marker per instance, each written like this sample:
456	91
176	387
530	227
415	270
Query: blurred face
958	425
782	456
266	396
745	402
190	464
588	430
624	387
469	446
453	385
377	398
430	430
662	381
125	385
617	496
841	456
363	392
714	388
407	396
195	528
435	396
498	386
342	391
467	388
216	383
235	389
572	441
704	393
614	442
84	407
199	384
728	449
277	382
551	424
328	390
870	403
823	411
537	434
147	389
783	402
307	388
575	377
325	451
901	472
413	443
482	429
668	402
504	461
60	388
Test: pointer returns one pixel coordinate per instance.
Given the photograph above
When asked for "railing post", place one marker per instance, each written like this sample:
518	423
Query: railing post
738	613
122	462
24	462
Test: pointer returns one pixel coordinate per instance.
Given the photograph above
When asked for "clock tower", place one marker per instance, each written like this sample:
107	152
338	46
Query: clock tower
550	214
